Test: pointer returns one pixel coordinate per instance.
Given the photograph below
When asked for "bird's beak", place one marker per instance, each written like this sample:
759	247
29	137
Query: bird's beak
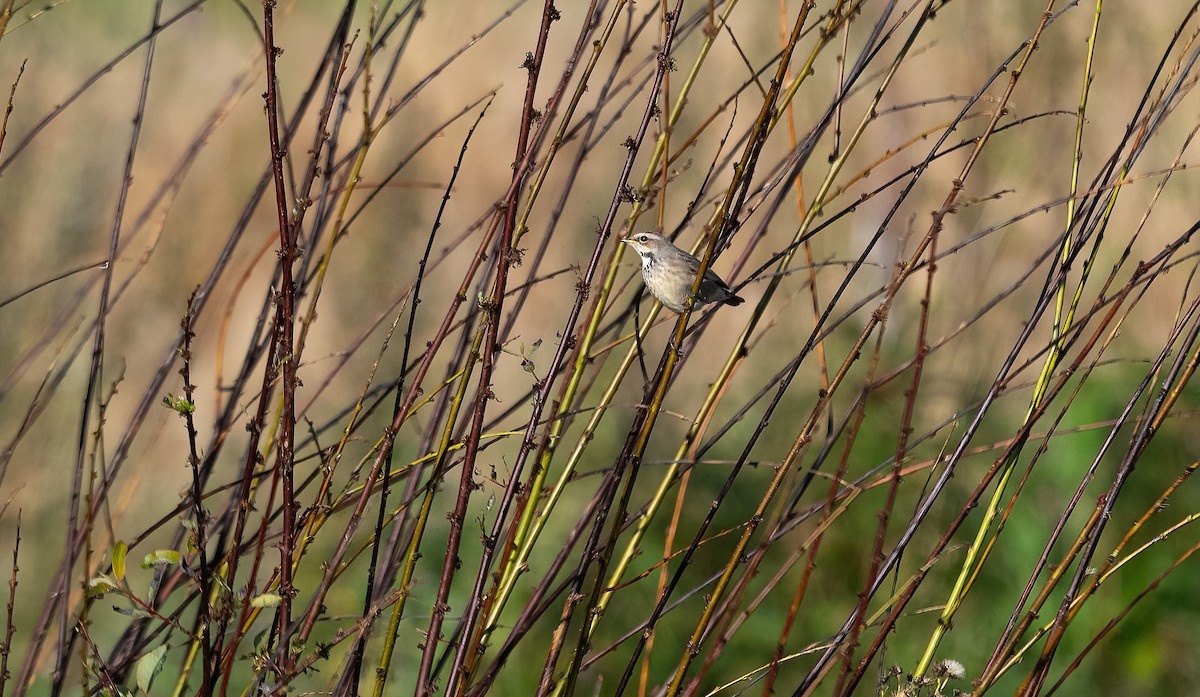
624	240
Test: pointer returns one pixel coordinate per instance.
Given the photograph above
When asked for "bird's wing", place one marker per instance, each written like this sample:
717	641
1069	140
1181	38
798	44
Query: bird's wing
714	278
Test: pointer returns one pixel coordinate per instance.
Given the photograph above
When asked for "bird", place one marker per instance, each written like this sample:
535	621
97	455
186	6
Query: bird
669	274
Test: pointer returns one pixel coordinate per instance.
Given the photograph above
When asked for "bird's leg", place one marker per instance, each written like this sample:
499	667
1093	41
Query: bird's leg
677	349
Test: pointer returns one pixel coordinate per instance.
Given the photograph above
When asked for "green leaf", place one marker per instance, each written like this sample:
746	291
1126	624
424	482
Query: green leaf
118	559
181	405
149	665
266	600
100	585
159	557
134	612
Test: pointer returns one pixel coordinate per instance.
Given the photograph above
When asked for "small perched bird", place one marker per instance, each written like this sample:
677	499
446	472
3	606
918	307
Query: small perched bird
669	273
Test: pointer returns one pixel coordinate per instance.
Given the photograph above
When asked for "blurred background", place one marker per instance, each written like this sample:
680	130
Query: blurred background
194	215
